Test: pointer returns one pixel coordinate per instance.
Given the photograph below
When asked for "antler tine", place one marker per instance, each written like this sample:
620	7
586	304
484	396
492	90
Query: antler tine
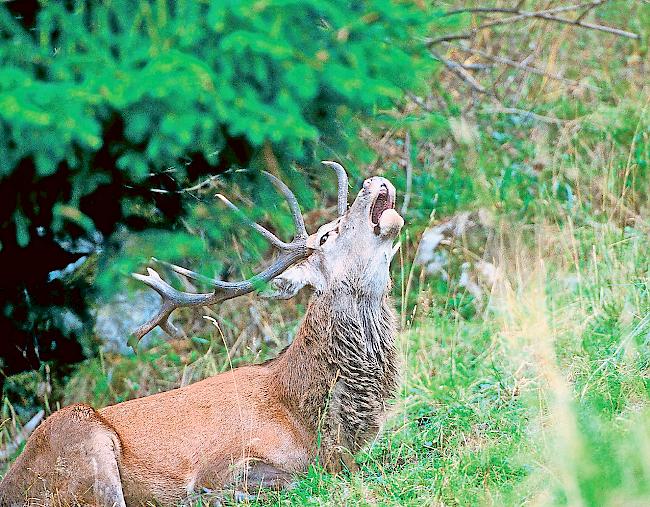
296	251
188	273
171	299
298	220
343	185
272	238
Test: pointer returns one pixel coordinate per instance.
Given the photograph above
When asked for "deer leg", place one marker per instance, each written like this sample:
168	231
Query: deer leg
336	458
71	459
256	477
261	475
110	495
336	452
101	469
108	486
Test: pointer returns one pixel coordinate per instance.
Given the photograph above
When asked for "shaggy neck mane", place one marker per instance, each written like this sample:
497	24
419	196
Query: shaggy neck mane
343	356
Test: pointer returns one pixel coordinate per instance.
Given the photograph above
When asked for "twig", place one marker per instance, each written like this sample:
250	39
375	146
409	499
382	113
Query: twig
12	447
512	78
478	10
409	173
590	26
198	186
201	185
475	66
419	102
546	14
524	112
447	38
584	13
458	69
521	66
520	15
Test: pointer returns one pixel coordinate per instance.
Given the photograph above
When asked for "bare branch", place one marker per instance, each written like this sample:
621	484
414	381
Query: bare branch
409	173
458	69
521	15
448	38
203	184
524	67
27	429
546	14
524	112
479	10
590	26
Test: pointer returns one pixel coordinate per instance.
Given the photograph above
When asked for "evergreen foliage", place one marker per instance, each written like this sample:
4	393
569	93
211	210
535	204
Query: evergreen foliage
101	102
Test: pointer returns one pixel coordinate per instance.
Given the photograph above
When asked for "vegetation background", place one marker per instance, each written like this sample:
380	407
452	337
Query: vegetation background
517	134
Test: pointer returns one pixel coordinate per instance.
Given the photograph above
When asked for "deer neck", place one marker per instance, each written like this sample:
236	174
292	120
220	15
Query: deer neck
346	339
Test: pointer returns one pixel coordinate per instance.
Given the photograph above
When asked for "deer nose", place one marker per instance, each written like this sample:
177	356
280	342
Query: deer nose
373	181
376	181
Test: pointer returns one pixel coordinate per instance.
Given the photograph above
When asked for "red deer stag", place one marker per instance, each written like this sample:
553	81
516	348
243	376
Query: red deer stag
254	426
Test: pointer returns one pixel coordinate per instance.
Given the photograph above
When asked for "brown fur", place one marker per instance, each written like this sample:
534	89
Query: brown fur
49	469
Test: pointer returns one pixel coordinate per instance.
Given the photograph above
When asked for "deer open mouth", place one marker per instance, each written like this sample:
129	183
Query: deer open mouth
384	201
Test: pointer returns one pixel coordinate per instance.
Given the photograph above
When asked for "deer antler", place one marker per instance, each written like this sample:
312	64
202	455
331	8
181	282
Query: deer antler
290	253
343	185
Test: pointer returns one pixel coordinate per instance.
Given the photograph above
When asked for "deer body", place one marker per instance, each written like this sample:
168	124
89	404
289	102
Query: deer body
255	426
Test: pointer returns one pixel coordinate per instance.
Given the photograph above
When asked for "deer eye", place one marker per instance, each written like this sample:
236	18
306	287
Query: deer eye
323	238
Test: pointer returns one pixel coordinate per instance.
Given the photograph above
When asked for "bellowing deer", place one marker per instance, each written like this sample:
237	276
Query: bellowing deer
254	426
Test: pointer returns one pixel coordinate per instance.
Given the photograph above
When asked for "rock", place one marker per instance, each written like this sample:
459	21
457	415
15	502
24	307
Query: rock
117	319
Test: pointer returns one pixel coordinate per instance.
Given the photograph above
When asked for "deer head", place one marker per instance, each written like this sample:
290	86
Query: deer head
354	249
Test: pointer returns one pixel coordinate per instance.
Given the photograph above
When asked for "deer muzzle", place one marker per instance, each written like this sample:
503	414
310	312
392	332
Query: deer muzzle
385	220
390	223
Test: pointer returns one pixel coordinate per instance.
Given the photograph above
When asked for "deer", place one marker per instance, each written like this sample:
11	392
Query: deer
254	427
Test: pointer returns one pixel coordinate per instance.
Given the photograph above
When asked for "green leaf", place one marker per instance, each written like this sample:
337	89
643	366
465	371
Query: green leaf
64	212
22	228
45	164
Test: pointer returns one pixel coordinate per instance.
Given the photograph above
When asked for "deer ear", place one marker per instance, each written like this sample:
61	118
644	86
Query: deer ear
289	283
